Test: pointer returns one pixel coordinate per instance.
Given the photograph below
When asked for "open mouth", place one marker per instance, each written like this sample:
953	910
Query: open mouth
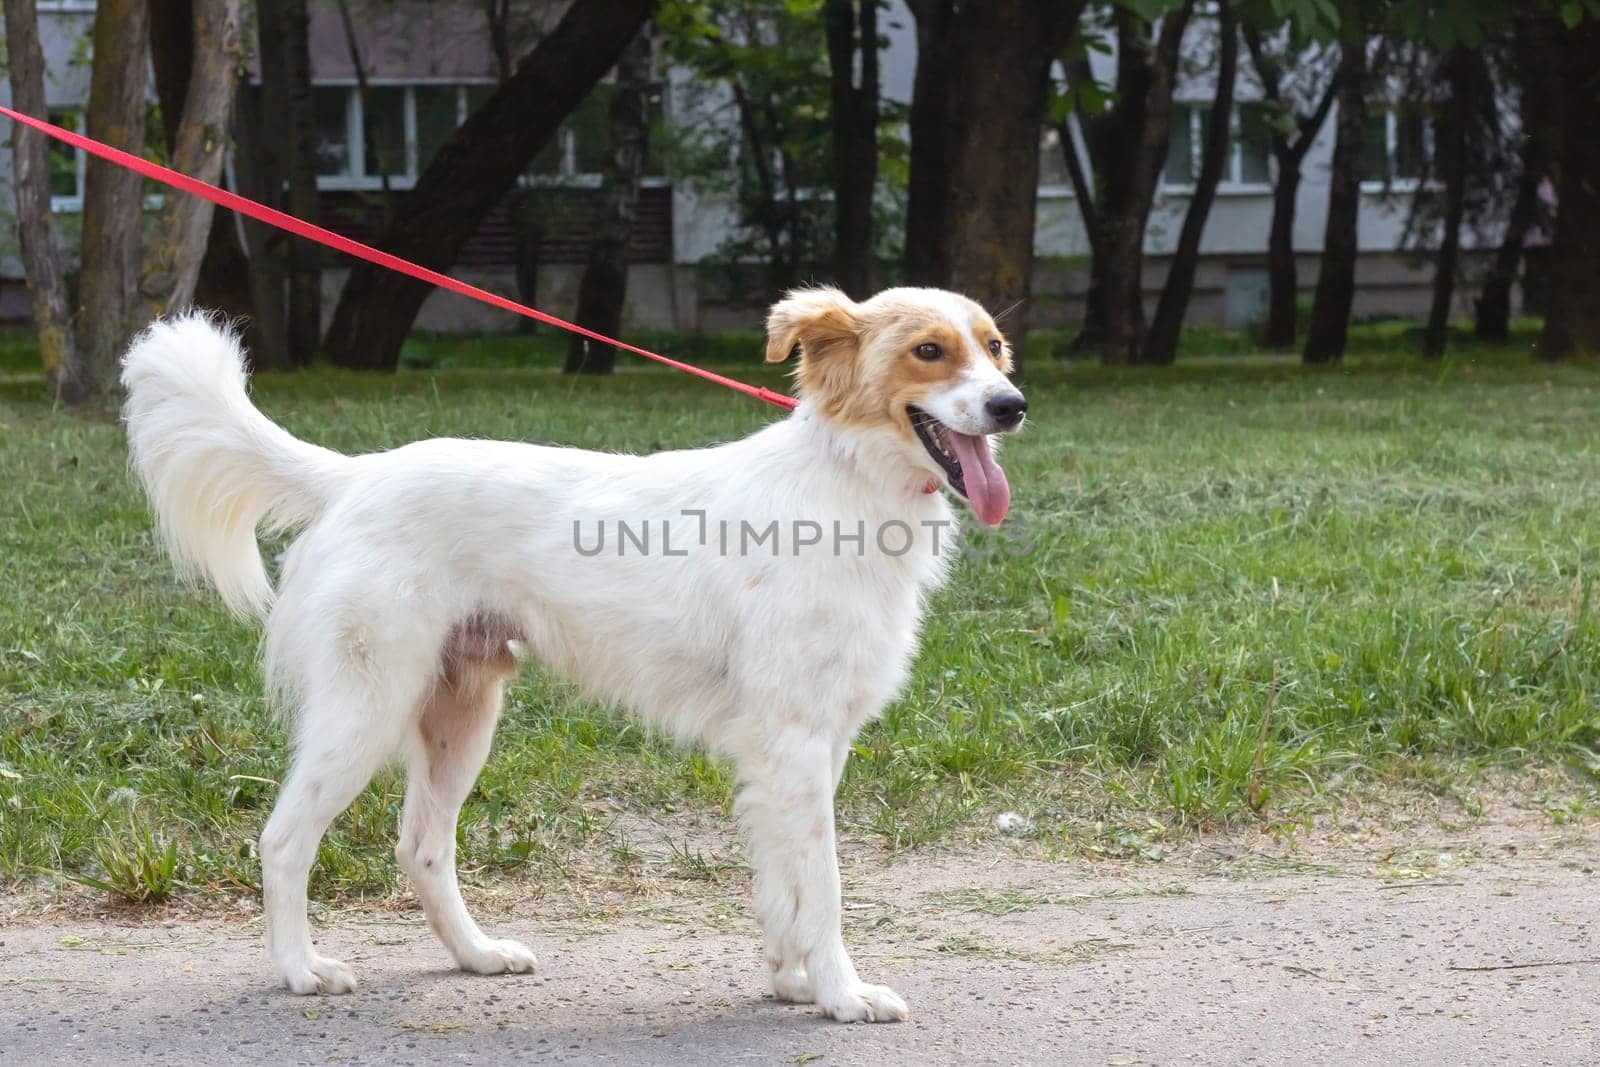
968	465
935	437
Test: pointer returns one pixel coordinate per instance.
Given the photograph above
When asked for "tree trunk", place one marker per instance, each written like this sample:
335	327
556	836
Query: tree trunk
1091	336
1537	99
1091	332
224	282
998	102
1082	191
1135	145
1094	193
1336	283
498	15
262	165
604	287
363	90
1451	138
1161	343
773	213
172	62
527	208
256	174
175	251
36	230
926	255
1572	323
285	166
113	197
298	150
472	172
1494	299
1283	278
524	206
855	138
1283	274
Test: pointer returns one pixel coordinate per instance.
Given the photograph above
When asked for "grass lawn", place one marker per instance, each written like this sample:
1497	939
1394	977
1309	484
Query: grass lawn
1230	586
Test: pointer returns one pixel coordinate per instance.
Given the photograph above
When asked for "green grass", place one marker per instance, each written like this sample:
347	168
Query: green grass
1398	559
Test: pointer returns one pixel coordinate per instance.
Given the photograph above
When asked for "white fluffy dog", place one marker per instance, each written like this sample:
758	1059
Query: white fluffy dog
762	596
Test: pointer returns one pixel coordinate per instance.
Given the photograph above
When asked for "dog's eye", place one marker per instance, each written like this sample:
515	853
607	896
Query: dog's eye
994	347
928	350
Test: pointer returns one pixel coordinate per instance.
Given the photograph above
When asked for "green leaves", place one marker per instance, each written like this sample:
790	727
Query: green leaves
1150	10
1309	21
1573	12
1089	99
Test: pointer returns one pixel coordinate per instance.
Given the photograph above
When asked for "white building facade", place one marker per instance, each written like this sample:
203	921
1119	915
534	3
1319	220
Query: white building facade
428	62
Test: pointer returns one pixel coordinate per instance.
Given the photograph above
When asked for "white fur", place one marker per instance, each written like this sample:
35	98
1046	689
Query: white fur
775	662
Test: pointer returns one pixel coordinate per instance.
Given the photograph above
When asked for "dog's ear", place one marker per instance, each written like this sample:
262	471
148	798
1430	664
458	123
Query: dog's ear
821	321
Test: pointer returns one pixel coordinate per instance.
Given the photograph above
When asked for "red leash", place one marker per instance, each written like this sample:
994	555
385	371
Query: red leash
300	228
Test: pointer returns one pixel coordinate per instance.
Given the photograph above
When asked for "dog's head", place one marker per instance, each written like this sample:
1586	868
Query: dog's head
922	369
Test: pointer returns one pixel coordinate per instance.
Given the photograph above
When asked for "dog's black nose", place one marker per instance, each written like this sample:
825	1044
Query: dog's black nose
1007	408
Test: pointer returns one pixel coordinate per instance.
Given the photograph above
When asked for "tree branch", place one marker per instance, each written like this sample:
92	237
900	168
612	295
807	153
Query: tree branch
1313	122
1081	190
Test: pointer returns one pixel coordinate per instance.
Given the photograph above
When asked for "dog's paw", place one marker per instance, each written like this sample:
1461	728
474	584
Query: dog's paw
499	957
319	975
866	1003
793	986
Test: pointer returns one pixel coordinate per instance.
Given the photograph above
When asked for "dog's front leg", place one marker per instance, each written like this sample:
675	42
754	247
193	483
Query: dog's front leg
786	804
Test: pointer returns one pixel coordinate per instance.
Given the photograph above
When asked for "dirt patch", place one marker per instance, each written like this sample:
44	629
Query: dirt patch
1433	929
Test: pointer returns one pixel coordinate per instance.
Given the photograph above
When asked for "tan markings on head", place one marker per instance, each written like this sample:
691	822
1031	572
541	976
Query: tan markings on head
819	321
858	362
898	322
984	329
823	323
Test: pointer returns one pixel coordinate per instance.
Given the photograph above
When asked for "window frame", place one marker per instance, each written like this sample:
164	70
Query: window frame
73	204
1236	157
357	180
1395	183
69	205
1063	190
1230	184
570	177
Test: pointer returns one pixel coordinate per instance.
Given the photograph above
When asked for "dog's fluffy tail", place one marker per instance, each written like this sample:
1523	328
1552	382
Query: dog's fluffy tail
215	468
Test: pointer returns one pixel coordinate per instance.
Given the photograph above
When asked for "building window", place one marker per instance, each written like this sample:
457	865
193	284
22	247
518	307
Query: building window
1252	145
389	146
392	134
66	165
438	110
1052	165
332	108
1249	148
397	130
1184	140
581	147
1395	145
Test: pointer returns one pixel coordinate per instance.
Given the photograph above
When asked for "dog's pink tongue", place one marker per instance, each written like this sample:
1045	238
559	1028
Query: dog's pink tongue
987	487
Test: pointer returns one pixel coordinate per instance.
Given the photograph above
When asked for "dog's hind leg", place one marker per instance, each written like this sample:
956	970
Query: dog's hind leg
336	756
786	804
452	742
